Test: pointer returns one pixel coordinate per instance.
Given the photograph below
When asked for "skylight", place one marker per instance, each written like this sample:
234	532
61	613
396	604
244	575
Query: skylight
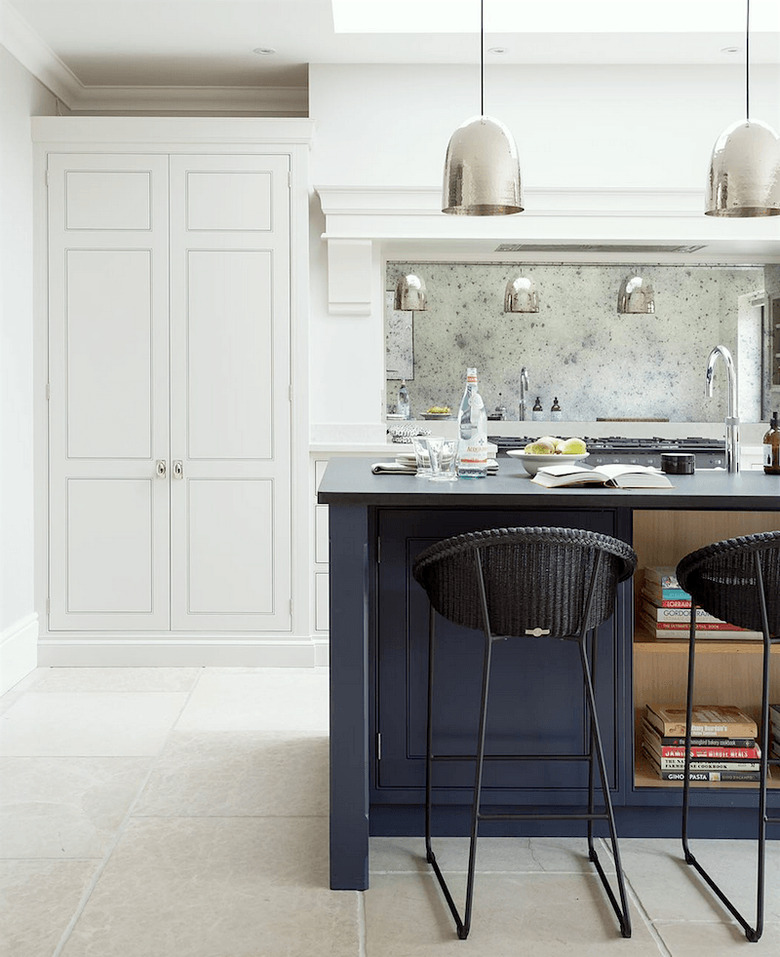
554	16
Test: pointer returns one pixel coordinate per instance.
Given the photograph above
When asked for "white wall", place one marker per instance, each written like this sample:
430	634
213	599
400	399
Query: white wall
20	97
589	126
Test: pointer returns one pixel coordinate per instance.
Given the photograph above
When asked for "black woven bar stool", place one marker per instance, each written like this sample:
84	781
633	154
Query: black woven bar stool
552	583
737	580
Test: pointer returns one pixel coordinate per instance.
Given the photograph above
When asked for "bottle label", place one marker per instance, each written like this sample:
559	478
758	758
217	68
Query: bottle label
771	457
472	458
556	416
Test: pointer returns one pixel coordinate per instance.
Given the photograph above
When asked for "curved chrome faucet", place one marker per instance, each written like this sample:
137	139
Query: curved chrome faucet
523	387
732	416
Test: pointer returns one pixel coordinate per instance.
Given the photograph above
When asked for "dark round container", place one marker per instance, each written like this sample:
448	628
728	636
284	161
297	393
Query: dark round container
678	463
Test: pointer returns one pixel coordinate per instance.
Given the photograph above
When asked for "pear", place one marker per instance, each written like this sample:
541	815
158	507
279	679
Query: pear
573	446
550	440
539	447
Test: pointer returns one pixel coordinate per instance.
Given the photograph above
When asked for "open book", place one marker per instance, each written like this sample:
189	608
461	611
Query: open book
622	476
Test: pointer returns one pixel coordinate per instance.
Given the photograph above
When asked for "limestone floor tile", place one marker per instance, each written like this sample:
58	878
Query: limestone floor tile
240	772
89	724
65	807
671	890
269	699
116	679
546	915
494	854
13	694
218	887
37	900
712	939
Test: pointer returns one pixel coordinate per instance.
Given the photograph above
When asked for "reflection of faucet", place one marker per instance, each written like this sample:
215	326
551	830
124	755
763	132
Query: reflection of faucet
732	416
523	387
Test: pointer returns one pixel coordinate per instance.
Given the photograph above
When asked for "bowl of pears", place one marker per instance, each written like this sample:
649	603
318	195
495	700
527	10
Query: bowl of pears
549	450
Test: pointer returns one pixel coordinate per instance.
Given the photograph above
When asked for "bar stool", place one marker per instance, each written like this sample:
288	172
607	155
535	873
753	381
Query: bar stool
737	580
550	583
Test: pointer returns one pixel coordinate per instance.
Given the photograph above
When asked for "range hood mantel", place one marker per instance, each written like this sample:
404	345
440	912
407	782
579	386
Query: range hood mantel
598	223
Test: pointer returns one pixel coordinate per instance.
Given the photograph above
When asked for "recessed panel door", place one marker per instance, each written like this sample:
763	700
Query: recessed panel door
108	383
230	393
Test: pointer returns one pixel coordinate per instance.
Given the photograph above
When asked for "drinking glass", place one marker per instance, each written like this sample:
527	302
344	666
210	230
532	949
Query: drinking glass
443	454
420	445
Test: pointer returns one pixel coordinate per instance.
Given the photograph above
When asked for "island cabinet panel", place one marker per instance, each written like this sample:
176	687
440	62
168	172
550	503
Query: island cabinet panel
537	703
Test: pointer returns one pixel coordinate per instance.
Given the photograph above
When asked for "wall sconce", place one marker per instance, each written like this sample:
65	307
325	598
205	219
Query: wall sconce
636	296
520	295
410	294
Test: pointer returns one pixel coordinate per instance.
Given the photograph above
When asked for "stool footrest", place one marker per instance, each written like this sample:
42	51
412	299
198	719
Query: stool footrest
583	816
514	757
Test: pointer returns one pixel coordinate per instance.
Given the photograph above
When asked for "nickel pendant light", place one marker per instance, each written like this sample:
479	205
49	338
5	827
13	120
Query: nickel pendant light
744	175
635	297
410	294
481	169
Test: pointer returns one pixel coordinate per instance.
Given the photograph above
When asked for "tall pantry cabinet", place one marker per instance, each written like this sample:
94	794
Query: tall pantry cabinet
174	259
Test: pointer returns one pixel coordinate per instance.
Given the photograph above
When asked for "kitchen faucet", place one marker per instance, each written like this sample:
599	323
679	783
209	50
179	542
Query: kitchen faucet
523	387
732	416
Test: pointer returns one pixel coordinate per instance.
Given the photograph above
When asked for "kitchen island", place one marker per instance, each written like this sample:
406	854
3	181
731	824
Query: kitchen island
378	635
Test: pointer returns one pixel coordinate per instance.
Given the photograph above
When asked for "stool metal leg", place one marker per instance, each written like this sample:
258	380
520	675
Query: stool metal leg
621	909
462	925
752	934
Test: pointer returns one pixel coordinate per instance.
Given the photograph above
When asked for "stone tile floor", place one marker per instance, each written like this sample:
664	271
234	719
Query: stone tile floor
148	812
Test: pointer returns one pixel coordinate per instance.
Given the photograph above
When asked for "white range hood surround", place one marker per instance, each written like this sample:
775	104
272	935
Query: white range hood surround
366	226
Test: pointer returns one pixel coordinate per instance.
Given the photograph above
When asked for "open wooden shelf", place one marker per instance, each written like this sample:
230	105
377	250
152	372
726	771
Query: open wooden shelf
646	644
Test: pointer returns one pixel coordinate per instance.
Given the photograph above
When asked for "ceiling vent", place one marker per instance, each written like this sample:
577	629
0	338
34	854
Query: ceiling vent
591	248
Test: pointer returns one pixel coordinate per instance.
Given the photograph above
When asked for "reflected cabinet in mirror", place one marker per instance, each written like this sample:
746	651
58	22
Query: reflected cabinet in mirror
599	364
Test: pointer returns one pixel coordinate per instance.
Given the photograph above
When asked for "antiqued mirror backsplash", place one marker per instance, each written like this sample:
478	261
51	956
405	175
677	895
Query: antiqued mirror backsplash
576	348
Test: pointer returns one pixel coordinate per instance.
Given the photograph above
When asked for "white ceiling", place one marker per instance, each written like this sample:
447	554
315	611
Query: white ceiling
201	43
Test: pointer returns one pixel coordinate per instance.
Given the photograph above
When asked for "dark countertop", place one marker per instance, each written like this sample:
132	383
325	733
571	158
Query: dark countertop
349	481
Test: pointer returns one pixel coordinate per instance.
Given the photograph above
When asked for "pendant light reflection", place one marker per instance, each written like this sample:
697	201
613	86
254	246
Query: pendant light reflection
636	297
410	294
481	168
521	296
744	178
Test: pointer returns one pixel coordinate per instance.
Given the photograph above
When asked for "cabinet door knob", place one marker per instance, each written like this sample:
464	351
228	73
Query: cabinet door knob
178	469
162	468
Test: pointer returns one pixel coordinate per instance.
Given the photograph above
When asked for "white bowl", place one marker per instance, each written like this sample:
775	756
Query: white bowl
532	463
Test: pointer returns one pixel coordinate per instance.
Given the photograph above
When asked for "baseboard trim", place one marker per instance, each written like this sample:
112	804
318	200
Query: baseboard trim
18	651
213	651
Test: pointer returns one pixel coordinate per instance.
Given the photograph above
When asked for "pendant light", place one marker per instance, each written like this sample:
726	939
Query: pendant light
744	175
410	294
520	295
481	169
635	297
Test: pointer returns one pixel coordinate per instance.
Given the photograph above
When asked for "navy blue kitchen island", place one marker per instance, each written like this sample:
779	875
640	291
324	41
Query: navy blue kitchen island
378	645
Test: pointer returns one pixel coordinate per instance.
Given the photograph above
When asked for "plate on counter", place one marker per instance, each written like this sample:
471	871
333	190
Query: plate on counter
437	415
532	463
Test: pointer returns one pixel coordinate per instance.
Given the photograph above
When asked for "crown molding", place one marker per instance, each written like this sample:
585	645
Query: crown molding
267	100
23	43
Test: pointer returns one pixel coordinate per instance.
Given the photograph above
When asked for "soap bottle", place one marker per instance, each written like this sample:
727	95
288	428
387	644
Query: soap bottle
555	412
537	413
772	447
404	407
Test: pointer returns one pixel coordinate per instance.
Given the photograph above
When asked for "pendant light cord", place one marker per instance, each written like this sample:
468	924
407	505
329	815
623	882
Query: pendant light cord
482	57
747	63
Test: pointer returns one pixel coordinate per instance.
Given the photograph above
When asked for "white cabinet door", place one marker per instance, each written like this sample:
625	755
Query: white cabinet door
108	375
230	401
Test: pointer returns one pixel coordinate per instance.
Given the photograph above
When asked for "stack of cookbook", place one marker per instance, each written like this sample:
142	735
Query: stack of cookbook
665	611
723	743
